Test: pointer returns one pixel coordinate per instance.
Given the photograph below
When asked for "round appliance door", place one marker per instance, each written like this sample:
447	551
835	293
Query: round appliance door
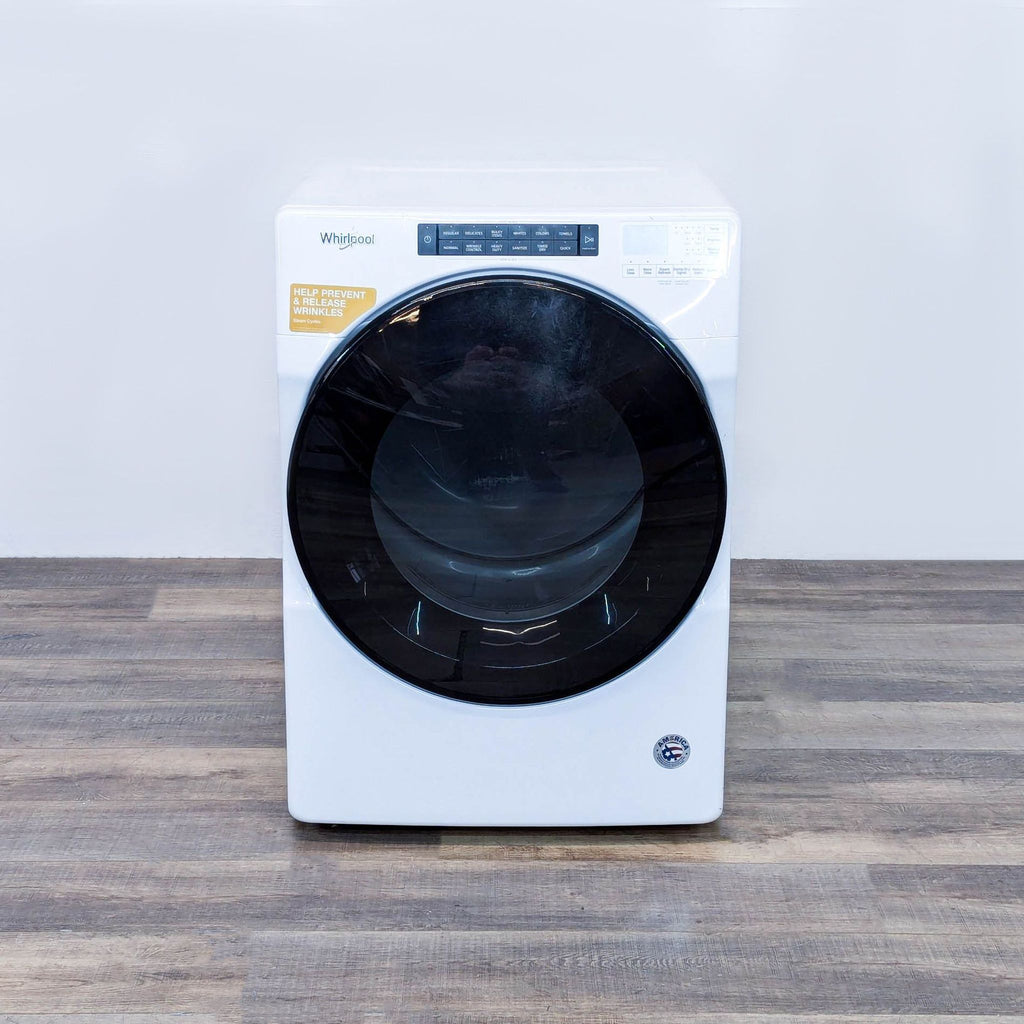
506	489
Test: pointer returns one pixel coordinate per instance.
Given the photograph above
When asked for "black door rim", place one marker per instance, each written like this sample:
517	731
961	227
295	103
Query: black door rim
688	591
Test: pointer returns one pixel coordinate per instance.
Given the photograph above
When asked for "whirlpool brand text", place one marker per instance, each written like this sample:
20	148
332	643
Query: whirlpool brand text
344	240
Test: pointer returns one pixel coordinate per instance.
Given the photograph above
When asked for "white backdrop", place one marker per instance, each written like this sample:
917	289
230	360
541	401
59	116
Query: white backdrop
875	151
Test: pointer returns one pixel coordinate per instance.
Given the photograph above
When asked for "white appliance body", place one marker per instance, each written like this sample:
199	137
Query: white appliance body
364	744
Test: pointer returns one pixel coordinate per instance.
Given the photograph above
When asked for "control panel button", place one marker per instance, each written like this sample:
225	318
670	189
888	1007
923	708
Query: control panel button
563	247
496	248
518	247
449	231
427	245
496	231
472	248
567	231
449	247
588	239
542	247
474	231
542	230
519	231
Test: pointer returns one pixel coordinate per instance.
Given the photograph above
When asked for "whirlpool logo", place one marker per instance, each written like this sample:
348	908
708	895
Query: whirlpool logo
345	240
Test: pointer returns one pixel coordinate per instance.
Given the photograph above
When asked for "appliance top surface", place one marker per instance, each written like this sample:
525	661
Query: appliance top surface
592	186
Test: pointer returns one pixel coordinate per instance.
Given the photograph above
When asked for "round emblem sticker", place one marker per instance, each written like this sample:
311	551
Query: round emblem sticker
671	751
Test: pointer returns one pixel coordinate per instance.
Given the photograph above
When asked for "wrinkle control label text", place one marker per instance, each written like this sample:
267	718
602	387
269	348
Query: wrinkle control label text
327	309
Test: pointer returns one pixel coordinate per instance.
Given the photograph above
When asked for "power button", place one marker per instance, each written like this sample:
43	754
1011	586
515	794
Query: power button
427	235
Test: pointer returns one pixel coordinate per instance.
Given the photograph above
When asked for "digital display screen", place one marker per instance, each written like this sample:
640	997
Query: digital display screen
645	240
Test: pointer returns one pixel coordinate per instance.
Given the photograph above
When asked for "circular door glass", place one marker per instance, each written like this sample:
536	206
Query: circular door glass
507	489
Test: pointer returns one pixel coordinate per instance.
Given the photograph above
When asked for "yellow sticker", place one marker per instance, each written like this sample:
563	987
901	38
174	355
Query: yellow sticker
325	308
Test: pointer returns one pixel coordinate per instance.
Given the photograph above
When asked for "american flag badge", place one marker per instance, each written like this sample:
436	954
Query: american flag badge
672	751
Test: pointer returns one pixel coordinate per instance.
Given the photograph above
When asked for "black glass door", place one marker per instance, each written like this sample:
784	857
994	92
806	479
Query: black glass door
506	489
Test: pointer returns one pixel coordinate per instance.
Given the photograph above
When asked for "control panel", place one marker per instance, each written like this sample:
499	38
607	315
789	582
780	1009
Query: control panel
681	250
507	240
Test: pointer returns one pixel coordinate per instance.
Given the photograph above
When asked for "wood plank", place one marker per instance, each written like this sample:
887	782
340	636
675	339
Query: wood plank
645	1014
795	830
775	843
995	794
873	679
100	973
186	604
143	775
26	635
302	976
252	723
103	679
127	602
649	1017
809	767
757	605
101	830
1000	884
125	1018
900	641
883	725
314	893
830	576
119	572
955	791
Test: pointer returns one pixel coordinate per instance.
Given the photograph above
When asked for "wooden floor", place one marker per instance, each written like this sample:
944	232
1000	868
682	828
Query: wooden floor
869	866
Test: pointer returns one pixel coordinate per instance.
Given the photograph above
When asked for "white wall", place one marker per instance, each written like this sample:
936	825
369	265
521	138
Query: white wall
876	153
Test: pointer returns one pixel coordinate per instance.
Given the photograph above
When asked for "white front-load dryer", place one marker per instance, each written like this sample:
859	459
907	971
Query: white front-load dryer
507	419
